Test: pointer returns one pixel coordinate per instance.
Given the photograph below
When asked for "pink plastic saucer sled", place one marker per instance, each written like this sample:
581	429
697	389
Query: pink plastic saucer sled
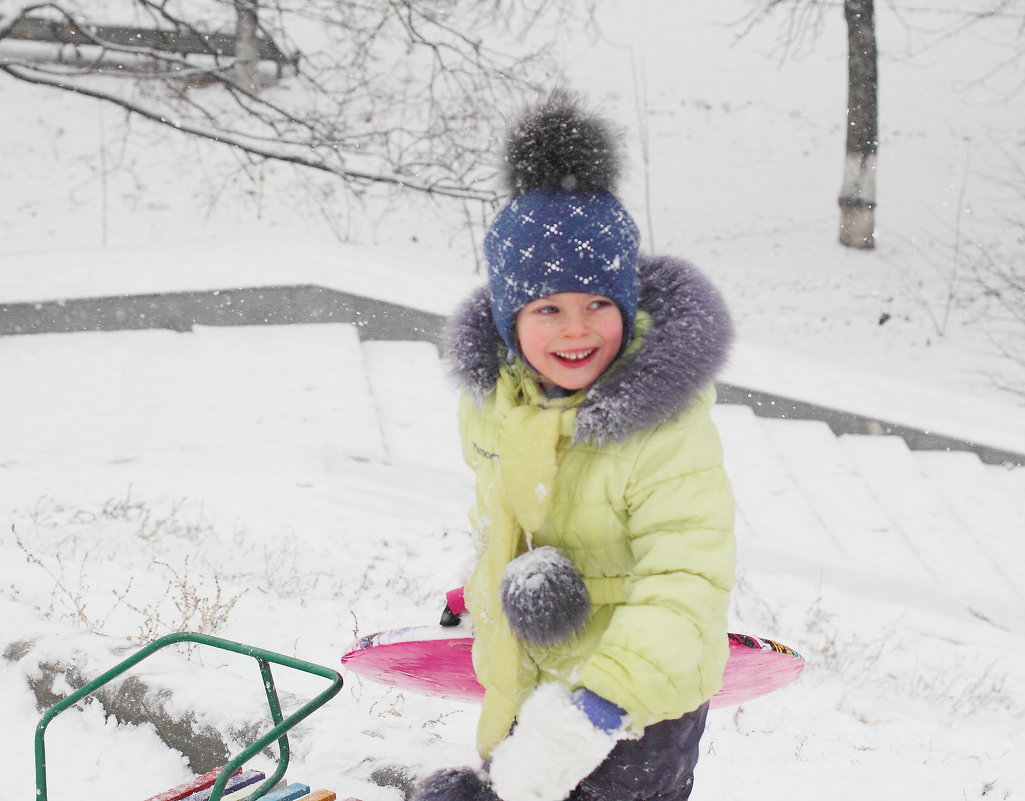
435	660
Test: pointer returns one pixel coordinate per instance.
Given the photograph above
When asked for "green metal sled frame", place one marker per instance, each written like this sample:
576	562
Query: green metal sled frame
263	658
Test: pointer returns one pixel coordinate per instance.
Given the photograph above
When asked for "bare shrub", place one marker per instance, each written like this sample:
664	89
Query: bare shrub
196	608
85	555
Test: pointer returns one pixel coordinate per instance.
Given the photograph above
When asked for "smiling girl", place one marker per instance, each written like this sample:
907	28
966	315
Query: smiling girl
603	518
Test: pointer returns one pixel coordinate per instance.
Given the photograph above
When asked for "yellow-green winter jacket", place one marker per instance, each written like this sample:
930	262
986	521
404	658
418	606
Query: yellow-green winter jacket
626	478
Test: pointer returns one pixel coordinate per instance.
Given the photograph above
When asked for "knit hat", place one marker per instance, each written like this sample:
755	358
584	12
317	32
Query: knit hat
563	230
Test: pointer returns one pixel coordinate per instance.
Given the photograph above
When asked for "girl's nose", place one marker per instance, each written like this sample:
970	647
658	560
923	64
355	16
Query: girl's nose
575	326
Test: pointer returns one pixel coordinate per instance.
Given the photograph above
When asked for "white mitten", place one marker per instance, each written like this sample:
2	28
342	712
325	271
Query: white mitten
552	748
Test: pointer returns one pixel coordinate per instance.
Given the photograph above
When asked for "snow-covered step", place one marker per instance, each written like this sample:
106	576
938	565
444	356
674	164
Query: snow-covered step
255	395
336	350
1012	479
416	403
772	510
841	498
940	538
994	512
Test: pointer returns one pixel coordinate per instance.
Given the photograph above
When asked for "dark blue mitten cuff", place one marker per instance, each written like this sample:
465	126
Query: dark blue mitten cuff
602	713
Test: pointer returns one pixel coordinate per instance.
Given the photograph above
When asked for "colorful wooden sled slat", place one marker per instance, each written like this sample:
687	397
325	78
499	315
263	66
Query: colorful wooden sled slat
431	661
190	787
288	793
234	787
238	787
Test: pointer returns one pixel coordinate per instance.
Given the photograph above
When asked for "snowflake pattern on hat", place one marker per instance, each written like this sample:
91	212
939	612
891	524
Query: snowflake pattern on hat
549	241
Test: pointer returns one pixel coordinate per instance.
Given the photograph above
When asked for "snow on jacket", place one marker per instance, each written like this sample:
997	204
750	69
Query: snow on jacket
626	478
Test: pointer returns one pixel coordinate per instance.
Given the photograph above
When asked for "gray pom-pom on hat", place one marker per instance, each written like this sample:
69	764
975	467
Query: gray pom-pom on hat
454	784
557	144
544	597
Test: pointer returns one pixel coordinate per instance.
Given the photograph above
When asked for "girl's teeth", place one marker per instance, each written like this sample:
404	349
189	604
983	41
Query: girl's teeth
574	357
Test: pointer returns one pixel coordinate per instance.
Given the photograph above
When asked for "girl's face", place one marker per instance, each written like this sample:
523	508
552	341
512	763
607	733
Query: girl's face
570	337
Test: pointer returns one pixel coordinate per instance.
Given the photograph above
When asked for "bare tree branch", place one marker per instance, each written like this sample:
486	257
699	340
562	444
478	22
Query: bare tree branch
402	93
439	188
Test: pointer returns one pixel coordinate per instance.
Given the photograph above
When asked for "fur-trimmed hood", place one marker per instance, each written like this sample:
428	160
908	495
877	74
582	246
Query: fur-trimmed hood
686	345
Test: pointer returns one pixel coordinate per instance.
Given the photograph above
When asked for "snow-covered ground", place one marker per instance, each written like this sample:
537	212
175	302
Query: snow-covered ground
272	484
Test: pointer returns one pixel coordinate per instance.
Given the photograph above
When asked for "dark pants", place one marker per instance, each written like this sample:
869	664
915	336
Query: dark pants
657	767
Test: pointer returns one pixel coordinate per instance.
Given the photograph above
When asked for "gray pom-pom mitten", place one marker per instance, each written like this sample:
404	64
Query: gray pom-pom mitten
454	784
544	597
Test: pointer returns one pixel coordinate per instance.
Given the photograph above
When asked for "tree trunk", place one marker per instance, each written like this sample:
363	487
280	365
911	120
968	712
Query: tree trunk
247	55
858	193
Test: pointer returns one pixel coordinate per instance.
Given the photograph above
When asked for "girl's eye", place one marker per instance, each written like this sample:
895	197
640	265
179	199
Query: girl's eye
546	310
600	304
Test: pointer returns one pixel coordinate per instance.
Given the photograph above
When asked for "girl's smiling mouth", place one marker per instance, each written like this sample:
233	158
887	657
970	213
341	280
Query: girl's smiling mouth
575	358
